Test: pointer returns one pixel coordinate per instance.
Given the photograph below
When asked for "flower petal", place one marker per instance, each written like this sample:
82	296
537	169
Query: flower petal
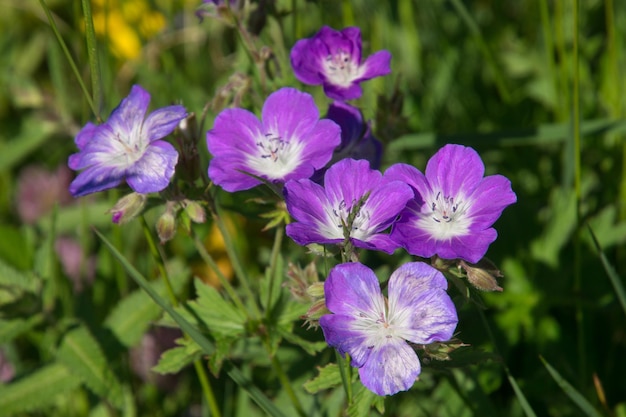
491	196
386	202
455	170
94	179
376	65
153	172
352	288
319	145
390	369
128	117
289	113
419	303
349	119
338	92
85	135
349	180
340	333
162	122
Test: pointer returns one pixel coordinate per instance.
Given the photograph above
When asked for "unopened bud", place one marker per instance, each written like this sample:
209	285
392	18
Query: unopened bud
313	314
482	275
195	211
316	290
127	208
166	226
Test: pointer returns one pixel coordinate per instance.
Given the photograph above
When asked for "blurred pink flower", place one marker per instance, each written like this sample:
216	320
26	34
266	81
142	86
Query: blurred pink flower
77	268
38	190
7	371
145	356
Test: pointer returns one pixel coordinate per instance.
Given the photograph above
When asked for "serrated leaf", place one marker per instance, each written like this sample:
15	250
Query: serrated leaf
81	354
36	391
362	402
328	377
173	360
10	329
23	281
223	349
132	316
218	315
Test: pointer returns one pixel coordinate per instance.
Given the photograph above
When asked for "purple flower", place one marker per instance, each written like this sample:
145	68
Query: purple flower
127	147
321	212
375	331
357	141
333	58
289	142
454	206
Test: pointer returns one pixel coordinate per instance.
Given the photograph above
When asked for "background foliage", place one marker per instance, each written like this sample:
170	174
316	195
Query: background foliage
537	87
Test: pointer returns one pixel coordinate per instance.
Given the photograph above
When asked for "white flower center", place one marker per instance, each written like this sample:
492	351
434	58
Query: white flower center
276	157
337	217
340	69
444	216
125	150
380	325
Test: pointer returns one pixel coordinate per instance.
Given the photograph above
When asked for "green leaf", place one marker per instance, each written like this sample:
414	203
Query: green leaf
328	377
132	316
310	347
571	392
36	391
10	329
14	279
610	271
175	359
362	402
33	133
218	315
81	354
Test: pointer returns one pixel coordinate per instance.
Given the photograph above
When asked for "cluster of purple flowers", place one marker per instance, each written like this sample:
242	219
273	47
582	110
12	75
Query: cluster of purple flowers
328	172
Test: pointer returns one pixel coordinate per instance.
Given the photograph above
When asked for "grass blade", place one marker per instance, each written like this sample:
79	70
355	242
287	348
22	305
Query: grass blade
92	53
610	271
571	392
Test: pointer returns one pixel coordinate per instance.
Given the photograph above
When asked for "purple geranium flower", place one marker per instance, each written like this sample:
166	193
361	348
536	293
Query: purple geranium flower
127	146
454	206
321	212
375	331
290	142
333	58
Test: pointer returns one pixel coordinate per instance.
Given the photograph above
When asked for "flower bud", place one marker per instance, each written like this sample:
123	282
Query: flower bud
482	275
316	290
195	211
128	207
313	314
166	224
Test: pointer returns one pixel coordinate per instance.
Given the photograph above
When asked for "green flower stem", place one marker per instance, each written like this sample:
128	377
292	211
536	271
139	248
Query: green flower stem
346	374
234	257
92	53
206	257
278	240
69	58
200	370
286	383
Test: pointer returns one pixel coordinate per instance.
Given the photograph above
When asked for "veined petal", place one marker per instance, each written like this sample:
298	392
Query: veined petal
94	179
361	180
352	289
127	119
306	60
391	368
162	122
234	131
152	173
412	176
377	241
471	247
418	302
340	332
492	195
85	135
289	114
340	92
386	202
455	171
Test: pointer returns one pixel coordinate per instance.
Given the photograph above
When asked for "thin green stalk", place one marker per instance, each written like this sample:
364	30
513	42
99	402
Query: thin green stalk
237	264
278	240
580	317
286	384
200	370
206	257
66	51
92	53
346	377
549	50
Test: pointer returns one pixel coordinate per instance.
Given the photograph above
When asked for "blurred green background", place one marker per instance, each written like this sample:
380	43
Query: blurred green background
536	86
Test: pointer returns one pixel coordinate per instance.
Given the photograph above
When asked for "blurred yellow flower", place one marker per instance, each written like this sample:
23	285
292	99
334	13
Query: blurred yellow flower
126	24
